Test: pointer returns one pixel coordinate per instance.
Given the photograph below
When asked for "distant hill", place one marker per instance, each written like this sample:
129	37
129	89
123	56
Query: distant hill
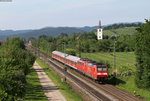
119	28
50	31
12	32
88	29
7	33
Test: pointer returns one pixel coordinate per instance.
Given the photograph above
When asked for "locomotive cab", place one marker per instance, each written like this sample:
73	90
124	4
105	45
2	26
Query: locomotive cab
102	72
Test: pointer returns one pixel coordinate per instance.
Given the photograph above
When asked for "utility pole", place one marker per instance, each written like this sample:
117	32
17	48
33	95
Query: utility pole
65	68
79	49
38	47
115	54
115	59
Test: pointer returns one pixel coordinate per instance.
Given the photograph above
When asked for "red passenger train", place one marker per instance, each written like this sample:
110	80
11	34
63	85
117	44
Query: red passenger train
96	71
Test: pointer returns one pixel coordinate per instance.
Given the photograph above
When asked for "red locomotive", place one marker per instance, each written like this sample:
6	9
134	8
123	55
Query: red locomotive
96	71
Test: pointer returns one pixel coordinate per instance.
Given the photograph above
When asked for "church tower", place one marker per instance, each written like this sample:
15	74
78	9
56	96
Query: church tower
99	32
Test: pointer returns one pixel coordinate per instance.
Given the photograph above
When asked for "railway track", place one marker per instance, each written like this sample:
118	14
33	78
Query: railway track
96	95
98	91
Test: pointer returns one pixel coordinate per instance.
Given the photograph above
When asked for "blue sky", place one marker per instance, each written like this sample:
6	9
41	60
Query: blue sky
34	14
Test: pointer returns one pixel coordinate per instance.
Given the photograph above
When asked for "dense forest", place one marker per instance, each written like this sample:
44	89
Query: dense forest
15	63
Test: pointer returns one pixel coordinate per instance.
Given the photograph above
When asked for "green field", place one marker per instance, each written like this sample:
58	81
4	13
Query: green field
121	31
124	60
34	90
64	88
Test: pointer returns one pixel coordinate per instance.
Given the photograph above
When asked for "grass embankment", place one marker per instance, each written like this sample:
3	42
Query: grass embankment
64	88
124	61
34	90
130	86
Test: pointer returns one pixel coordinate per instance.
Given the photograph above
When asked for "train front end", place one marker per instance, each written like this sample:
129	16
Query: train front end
102	72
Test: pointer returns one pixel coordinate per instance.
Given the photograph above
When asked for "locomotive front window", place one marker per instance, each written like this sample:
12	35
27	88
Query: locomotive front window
101	69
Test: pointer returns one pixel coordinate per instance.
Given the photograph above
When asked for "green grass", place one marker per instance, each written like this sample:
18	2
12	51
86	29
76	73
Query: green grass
123	59
64	88
34	90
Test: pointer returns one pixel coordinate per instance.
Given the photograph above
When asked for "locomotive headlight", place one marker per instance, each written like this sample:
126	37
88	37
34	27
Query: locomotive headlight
101	73
104	73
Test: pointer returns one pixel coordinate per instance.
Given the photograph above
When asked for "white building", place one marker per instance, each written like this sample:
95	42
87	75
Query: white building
99	32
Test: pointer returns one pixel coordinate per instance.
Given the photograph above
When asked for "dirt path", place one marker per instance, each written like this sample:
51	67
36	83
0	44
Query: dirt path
51	91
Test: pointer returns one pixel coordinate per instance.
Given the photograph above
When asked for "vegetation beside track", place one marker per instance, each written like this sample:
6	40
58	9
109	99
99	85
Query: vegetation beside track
15	64
64	88
34	91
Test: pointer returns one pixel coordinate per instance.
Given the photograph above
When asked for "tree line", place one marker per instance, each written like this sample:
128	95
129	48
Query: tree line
121	25
85	42
15	63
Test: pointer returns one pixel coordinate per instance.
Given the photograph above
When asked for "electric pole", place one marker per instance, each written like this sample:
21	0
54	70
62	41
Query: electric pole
115	60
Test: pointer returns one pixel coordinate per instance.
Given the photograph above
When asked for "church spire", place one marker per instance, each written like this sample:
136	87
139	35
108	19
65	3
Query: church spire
100	26
100	32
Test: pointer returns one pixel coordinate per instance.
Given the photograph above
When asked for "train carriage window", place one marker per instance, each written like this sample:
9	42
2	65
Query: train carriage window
90	64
